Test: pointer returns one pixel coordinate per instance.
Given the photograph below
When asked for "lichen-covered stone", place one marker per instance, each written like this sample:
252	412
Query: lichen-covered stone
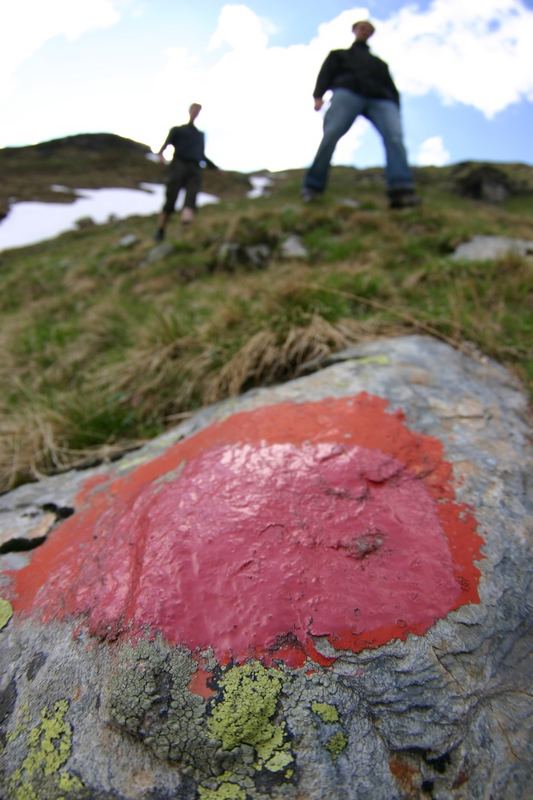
149	698
444	714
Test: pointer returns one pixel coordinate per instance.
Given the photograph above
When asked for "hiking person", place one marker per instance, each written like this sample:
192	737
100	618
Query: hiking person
185	171
361	84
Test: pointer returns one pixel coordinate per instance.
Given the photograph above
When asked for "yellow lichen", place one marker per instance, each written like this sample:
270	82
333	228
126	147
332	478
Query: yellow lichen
49	746
326	712
6	612
336	744
225	790
244	715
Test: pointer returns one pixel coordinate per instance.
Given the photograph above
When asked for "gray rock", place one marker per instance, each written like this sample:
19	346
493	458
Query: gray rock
349	202
231	254
158	253
257	255
128	240
228	254
484	182
25	525
292	247
85	222
489	248
442	715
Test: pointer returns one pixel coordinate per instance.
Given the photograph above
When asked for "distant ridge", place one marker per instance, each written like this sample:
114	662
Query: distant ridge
86	141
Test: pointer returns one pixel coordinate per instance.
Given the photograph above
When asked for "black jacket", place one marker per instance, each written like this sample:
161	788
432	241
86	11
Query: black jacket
358	70
189	144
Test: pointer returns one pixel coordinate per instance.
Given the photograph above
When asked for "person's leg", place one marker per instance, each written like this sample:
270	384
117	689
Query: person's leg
385	116
168	208
174	184
170	201
193	182
339	118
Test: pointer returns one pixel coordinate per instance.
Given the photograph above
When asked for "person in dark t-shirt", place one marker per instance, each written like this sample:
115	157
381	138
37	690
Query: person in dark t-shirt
361	84
185	170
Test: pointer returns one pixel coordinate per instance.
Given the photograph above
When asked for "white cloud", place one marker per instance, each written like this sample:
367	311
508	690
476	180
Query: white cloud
432	153
477	52
26	25
241	29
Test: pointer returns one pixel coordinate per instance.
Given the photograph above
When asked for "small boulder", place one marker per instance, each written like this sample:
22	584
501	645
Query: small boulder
482	182
489	248
292	247
128	240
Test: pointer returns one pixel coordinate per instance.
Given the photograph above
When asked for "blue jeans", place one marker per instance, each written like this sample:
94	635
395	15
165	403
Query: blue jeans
384	115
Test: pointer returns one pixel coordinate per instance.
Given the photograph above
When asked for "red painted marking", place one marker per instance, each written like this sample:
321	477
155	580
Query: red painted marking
199	683
265	531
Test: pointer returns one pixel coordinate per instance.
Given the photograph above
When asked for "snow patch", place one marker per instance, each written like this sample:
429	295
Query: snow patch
31	222
260	184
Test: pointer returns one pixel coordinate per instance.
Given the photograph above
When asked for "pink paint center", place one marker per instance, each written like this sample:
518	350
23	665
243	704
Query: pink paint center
259	548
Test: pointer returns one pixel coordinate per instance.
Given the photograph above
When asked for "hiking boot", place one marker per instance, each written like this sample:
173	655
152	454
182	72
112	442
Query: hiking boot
159	235
307	195
187	215
403	198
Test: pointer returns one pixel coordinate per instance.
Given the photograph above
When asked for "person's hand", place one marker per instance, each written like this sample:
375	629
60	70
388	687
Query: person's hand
318	103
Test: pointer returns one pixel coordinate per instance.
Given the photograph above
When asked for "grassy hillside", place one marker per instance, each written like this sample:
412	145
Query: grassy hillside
104	345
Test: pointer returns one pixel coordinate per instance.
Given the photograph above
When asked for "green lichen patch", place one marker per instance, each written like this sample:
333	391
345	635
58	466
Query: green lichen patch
226	789
49	744
336	744
244	715
326	712
149	697
6	612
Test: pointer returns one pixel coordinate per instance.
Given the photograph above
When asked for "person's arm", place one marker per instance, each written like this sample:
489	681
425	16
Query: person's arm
207	161
392	87
209	164
323	81
164	146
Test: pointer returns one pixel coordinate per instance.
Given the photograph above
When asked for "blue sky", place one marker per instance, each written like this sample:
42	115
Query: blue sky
132	67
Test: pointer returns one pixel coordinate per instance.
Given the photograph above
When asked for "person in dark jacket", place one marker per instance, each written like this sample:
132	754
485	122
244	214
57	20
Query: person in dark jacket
361	84
185	169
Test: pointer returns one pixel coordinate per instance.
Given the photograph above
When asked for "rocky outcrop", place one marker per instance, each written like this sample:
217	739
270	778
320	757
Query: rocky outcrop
319	590
482	182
